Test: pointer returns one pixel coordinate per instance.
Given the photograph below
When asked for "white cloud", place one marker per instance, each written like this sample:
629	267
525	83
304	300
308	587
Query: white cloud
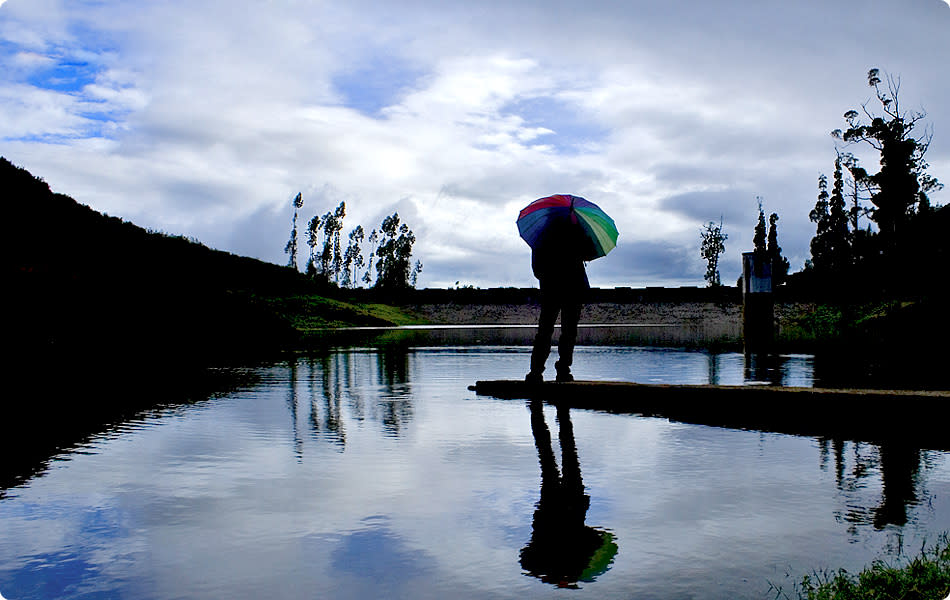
197	119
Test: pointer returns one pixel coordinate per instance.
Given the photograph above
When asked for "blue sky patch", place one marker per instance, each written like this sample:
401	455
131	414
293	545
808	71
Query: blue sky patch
63	573
70	66
376	83
572	129
64	76
379	555
66	69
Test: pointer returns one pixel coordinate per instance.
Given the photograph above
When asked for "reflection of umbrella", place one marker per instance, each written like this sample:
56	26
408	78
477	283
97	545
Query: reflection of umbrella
565	555
565	210
600	561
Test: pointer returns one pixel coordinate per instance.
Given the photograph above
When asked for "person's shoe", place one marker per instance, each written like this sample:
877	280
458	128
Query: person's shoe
533	378
563	374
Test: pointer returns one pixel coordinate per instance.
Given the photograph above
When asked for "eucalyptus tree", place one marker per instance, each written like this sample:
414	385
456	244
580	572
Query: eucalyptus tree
291	247
394	254
337	262
371	240
313	238
414	276
331	259
713	245
353	258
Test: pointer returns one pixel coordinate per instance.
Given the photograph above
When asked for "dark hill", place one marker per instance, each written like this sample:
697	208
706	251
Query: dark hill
106	319
90	288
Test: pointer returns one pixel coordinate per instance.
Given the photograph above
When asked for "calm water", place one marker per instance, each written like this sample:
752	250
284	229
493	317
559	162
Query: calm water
368	474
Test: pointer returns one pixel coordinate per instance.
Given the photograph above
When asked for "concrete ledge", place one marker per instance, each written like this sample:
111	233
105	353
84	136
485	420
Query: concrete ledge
911	417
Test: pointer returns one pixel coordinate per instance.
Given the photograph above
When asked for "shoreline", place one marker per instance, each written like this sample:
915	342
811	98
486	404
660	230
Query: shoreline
670	323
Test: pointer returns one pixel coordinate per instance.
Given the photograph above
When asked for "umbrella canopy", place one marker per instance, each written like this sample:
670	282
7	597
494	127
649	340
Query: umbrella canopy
602	557
573	214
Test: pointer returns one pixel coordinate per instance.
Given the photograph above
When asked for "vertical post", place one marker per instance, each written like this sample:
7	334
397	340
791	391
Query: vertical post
758	322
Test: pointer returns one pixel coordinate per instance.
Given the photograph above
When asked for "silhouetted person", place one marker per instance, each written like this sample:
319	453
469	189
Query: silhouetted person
557	263
562	546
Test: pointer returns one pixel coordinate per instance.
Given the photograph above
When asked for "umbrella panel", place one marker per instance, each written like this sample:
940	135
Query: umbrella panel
569	218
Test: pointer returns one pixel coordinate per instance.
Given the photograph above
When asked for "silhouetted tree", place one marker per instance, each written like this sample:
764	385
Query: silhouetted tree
836	247
759	245
819	216
765	245
900	189
414	276
372	240
779	263
839	244
320	260
713	244
313	238
857	190
337	245
394	254
331	258
353	258
291	247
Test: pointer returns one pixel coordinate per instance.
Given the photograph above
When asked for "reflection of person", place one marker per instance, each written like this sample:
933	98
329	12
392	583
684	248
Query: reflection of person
563	550
557	263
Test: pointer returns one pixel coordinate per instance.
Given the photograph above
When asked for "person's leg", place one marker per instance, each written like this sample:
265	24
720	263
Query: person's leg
542	340
570	315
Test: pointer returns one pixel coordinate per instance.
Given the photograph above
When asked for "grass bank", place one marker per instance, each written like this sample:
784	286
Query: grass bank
821	323
925	577
306	312
904	323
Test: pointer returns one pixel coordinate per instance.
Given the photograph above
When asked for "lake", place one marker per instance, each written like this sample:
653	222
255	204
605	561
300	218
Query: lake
368	473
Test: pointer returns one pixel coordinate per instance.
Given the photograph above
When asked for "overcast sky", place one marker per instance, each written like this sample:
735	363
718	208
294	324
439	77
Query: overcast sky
205	117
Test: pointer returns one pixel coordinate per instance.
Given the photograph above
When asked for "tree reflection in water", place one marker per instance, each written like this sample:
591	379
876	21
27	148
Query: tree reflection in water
899	465
329	392
764	368
359	385
563	549
326	420
394	405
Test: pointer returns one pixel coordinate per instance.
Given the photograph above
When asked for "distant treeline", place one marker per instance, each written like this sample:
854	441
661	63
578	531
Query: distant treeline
388	266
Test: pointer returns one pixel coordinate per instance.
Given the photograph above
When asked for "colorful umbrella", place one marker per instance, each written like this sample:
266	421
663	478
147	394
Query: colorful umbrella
563	210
